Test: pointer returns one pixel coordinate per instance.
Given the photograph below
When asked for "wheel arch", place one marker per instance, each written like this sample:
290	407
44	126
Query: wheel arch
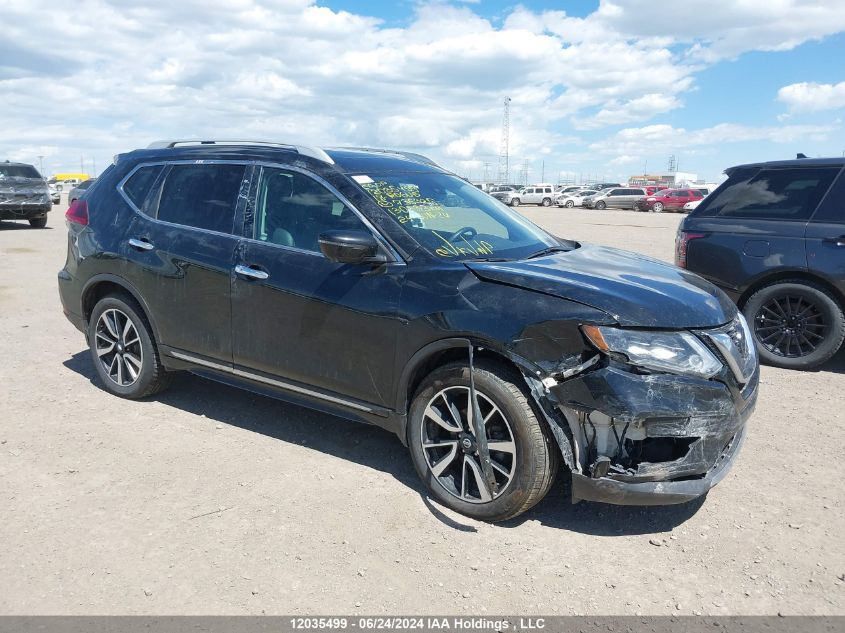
787	275
438	353
101	285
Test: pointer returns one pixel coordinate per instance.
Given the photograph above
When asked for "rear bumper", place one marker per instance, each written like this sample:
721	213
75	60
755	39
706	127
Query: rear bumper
69	294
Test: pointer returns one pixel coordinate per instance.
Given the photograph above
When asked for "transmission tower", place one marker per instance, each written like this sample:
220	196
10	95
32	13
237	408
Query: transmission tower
673	164
504	148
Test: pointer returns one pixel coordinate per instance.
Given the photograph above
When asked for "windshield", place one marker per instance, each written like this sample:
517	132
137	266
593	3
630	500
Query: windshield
452	219
18	171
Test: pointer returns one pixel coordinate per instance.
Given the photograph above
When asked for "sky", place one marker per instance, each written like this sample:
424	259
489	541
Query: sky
599	89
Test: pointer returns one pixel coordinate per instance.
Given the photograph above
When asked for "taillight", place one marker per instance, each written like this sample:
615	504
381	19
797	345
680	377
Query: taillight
77	212
682	241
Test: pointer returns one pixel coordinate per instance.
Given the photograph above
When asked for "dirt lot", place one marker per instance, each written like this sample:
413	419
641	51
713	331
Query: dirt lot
212	500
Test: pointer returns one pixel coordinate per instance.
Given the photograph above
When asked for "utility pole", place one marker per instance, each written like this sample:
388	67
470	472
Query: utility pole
41	164
543	171
486	171
504	148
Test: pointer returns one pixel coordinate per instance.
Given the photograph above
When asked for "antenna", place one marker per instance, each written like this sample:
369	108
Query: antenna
504	148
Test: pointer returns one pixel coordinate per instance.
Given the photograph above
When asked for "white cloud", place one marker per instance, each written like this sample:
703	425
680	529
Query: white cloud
665	139
129	73
813	97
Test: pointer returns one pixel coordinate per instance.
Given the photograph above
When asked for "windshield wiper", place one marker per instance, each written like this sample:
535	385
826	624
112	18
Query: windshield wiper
489	259
548	251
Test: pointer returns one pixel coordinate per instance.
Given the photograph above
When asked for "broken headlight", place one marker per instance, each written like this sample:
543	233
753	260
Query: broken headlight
675	352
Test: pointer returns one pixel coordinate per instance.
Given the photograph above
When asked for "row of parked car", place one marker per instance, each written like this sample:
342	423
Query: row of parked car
604	196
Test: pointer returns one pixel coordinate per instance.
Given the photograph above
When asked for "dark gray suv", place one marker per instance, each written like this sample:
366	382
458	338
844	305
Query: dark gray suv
773	238
23	194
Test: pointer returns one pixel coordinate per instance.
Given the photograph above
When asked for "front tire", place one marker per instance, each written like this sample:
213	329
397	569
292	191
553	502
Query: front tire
795	324
515	202
658	207
38	223
601	205
123	351
569	204
443	449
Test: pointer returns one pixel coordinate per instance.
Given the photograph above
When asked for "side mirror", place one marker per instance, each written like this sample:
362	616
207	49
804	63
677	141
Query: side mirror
350	247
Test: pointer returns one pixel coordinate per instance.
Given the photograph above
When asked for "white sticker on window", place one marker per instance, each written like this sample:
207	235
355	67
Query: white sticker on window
362	180
337	208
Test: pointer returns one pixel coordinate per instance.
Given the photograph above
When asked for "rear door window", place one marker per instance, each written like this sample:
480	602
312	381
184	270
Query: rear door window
771	194
201	196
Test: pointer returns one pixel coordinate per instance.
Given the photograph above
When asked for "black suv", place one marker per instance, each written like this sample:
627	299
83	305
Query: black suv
773	238
379	287
24	194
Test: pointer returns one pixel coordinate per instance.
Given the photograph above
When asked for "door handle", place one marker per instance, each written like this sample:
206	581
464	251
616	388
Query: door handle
251	273
836	241
141	245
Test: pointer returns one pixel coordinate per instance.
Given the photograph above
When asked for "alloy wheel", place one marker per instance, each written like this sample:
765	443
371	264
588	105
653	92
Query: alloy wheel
790	326
450	449
118	347
658	207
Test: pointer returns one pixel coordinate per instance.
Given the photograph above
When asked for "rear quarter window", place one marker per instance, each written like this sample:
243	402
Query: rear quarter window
138	185
770	194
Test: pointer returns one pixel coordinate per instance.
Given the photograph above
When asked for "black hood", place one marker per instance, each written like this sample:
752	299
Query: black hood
637	291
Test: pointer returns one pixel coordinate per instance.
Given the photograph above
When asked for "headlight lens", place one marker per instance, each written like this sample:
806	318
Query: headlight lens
675	352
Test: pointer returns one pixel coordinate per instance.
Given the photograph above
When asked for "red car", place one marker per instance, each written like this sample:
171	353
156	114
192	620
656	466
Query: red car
668	200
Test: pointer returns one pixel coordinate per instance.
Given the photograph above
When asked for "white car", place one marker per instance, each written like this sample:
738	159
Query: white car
574	198
543	195
692	204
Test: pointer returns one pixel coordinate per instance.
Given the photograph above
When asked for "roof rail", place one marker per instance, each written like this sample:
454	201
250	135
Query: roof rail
313	152
417	158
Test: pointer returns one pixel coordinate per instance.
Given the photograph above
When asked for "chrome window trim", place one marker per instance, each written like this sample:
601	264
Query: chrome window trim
397	259
269	381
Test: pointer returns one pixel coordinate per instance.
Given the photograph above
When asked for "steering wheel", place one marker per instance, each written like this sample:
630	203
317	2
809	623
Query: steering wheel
467	230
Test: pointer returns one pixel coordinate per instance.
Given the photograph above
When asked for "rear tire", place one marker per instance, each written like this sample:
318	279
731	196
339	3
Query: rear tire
788	318
131	367
547	202
38	223
533	463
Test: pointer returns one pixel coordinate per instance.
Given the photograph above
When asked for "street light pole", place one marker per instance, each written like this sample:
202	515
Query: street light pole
41	164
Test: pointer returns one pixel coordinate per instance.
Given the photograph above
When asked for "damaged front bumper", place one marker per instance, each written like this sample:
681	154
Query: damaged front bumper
650	439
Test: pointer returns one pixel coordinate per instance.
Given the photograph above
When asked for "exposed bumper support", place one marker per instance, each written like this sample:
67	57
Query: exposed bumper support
652	493
650	439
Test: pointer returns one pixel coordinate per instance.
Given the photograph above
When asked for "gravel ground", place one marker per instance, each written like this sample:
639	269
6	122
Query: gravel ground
211	500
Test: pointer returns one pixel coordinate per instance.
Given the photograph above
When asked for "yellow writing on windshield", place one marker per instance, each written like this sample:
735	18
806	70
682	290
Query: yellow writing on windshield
464	247
404	202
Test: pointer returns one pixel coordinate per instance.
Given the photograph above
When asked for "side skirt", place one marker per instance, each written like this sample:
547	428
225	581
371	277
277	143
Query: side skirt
288	391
